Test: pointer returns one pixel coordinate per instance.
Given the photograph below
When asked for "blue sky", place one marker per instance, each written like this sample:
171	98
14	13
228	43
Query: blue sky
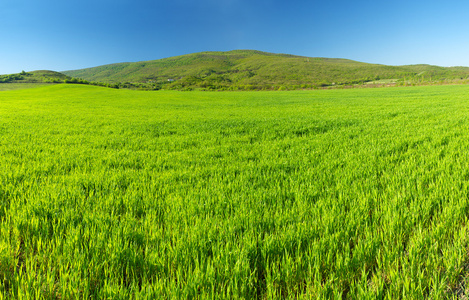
64	35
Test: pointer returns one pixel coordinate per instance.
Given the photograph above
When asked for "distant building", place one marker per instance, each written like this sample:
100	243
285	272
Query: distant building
170	80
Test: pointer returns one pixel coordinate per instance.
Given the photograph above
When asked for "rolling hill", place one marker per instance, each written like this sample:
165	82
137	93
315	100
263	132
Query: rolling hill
246	70
42	76
250	69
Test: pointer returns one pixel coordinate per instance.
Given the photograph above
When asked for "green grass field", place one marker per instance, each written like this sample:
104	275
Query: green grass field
21	86
117	194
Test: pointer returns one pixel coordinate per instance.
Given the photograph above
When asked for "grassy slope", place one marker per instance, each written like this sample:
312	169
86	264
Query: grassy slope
26	80
42	75
123	194
241	68
34	77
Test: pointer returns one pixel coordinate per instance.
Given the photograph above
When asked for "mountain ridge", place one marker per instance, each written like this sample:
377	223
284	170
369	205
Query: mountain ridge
258	70
248	70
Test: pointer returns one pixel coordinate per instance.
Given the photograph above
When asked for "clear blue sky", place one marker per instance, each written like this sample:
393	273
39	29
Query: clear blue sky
64	35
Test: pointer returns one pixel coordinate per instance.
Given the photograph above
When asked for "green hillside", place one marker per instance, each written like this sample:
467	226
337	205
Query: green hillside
26	80
41	76
250	69
32	79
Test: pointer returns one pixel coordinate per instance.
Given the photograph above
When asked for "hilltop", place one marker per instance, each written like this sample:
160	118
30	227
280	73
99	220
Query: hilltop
246	70
251	69
41	77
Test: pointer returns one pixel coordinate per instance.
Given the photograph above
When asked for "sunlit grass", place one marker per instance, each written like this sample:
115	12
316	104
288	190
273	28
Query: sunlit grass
20	86
123	194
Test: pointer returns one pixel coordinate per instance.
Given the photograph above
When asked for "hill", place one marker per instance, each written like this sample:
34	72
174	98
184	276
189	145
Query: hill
42	76
36	78
250	69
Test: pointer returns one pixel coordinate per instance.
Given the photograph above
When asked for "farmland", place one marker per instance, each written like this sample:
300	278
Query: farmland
358	193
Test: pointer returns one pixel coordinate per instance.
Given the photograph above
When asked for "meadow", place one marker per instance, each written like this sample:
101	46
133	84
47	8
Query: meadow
20	86
118	194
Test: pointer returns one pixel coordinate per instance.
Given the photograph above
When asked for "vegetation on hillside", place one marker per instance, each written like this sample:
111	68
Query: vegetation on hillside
246	70
45	76
256	70
34	77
